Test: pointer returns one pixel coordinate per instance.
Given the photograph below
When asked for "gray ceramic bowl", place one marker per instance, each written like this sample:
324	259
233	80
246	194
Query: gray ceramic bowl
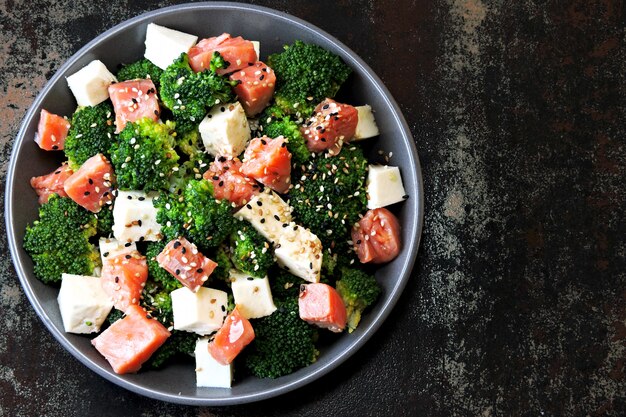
124	43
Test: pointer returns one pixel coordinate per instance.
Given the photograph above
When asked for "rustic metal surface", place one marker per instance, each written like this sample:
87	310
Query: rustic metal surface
517	305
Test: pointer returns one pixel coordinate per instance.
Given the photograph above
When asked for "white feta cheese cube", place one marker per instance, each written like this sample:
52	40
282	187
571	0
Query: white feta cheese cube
253	296
202	312
257	49
164	45
90	85
299	251
267	213
225	130
134	217
384	186
209	372
83	303
366	126
110	247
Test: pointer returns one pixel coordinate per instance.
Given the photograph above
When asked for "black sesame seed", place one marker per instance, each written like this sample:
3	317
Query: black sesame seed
223	307
282	145
176	244
262	221
285	225
259	203
325	107
222	159
199	270
139	223
249	206
276	217
130	197
141	198
222	109
263	142
87	193
127	256
262	76
105	254
57	172
184	250
177	271
250	279
117	279
127	244
55	147
358	242
215	178
90	181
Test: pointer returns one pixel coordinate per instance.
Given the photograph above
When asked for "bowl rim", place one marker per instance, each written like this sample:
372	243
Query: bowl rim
383	310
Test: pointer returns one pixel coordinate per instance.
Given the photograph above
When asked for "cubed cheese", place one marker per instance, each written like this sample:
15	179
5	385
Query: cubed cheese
299	251
110	247
366	126
164	45
384	186
134	217
90	85
257	49
83	303
267	213
253	296
209	372
202	312
225	130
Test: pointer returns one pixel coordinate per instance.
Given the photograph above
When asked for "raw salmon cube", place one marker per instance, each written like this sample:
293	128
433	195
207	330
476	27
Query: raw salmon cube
256	87
234	335
321	305
52	131
51	183
92	185
182	259
130	341
134	100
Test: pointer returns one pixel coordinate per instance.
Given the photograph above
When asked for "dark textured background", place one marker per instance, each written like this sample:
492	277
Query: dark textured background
517	305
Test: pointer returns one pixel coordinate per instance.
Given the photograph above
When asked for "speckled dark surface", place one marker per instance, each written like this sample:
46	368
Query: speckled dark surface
517	305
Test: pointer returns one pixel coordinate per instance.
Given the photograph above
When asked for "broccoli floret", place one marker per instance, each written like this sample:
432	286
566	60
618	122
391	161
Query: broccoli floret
58	241
105	220
196	214
190	143
141	69
115	315
189	95
144	155
284	126
358	291
163	278
250	252
283	343
221	256
329	195
283	284
157	301
91	132
180	343
306	74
